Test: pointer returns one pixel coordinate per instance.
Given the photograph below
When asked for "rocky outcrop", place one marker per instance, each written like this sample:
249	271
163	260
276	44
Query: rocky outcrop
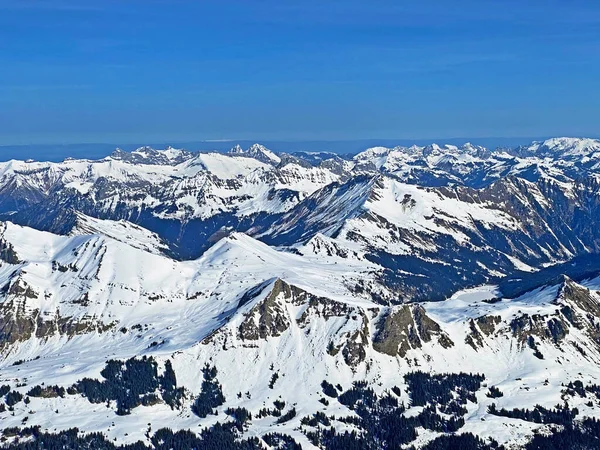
20	320
17	324
480	328
268	318
406	328
544	327
581	308
354	349
323	307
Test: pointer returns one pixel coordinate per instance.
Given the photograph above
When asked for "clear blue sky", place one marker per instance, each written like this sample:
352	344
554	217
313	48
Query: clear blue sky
152	70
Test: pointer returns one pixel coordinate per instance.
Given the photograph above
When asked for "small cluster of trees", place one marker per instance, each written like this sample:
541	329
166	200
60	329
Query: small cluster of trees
47	391
359	392
560	415
329	389
494	392
583	435
273	380
13	397
426	388
211	395
577	387
287	416
281	441
318	418
464	441
132	383
240	416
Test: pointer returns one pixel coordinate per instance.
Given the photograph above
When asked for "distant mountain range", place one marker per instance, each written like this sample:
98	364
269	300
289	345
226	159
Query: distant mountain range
58	152
422	296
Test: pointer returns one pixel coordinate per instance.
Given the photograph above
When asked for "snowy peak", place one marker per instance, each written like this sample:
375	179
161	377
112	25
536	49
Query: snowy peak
426	163
122	231
326	247
148	155
372	154
236	150
258	152
577	297
323	212
566	147
314	158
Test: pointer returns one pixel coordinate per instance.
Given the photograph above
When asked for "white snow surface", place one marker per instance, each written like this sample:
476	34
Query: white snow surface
113	275
128	282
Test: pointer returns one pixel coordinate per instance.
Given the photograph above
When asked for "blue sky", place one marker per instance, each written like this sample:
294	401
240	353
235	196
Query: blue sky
156	70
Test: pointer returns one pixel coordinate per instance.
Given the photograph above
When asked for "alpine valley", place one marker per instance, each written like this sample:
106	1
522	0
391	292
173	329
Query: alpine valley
434	297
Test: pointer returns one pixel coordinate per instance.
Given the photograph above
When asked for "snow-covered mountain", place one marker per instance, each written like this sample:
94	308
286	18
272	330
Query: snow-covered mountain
423	297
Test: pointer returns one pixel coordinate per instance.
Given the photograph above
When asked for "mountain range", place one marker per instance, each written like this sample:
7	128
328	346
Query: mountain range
407	297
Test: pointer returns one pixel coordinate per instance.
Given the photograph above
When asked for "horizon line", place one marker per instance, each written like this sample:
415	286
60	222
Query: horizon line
168	143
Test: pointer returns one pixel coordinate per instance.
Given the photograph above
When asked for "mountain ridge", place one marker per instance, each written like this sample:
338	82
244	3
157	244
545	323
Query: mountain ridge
273	326
403	298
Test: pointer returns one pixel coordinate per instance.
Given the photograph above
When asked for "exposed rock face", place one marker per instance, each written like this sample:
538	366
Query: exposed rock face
580	297
546	328
354	350
576	308
21	318
480	328
487	324
407	328
7	253
17	324
286	306
323	307
399	331
581	308
268	318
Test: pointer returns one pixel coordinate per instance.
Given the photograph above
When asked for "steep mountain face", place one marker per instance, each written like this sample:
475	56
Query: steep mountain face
258	152
423	297
434	241
150	156
121	231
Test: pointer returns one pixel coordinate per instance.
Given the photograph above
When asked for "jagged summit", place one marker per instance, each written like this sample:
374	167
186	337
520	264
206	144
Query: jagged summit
258	152
150	156
561	147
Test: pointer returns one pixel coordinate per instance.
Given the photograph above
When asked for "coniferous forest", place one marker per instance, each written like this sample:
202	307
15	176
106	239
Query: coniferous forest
379	420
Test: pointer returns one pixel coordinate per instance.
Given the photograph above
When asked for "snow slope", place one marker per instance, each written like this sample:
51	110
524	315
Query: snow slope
350	271
193	312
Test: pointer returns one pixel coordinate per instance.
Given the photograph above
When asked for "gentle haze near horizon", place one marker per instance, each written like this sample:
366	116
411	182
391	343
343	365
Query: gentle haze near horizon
178	71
